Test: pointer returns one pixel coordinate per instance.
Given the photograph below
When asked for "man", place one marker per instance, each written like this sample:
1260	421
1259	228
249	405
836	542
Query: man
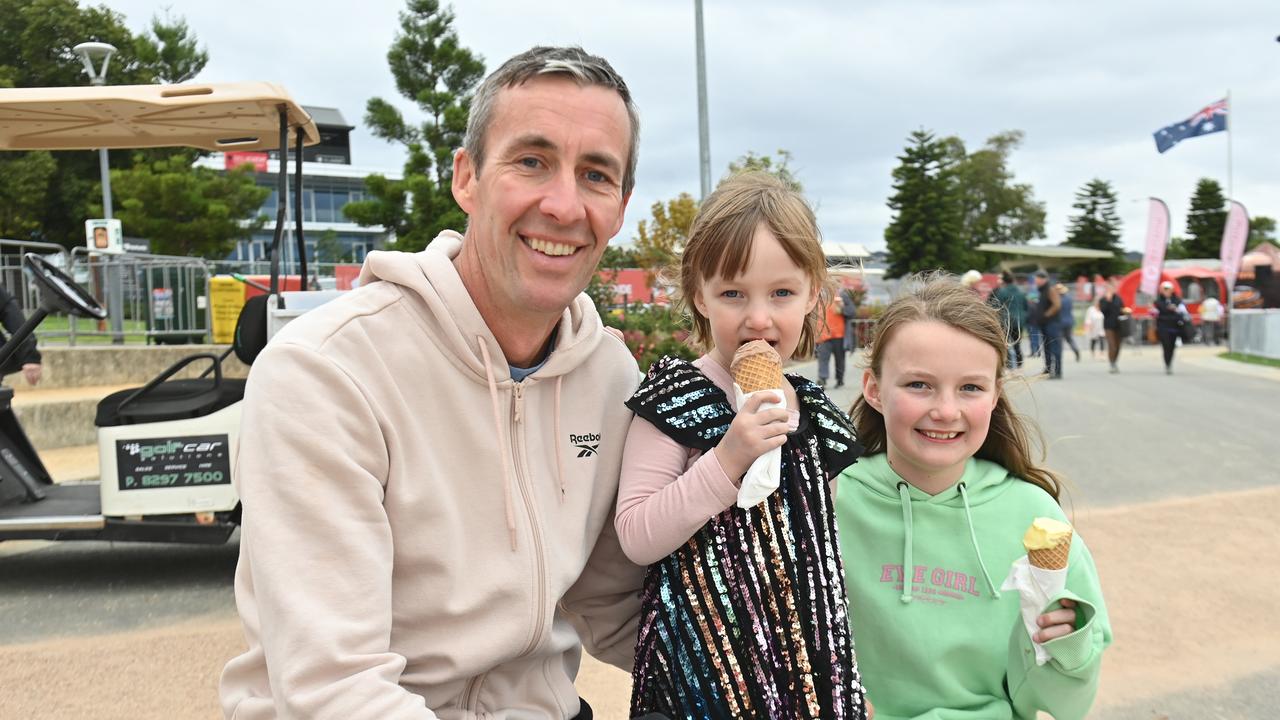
1012	304
830	344
1048	306
27	358
849	309
428	465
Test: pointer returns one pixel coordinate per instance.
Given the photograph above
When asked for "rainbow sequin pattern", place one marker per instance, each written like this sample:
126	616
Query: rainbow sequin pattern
748	619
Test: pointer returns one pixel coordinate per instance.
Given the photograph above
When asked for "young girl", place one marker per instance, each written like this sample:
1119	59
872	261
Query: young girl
744	611
933	517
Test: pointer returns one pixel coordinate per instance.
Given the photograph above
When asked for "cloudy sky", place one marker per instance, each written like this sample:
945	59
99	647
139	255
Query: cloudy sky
840	85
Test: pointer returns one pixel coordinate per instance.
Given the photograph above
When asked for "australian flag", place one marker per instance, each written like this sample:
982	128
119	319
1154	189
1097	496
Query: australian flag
1212	118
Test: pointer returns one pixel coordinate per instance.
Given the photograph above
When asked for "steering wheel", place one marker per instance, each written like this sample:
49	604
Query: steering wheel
60	293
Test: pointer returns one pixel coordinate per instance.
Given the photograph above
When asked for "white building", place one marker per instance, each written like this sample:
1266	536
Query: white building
329	182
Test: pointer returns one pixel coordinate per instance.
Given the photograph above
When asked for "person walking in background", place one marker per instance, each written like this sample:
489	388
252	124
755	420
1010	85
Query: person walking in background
1211	321
831	342
1093	329
1113	311
849	308
1067	318
1034	337
1009	299
27	358
1049	305
1171	316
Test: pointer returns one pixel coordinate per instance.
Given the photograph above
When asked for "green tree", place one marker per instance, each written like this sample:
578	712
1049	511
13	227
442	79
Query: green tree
1096	226
171	53
781	167
187	210
927	220
24	190
36	41
995	208
432	69
1206	220
329	248
1261	229
660	238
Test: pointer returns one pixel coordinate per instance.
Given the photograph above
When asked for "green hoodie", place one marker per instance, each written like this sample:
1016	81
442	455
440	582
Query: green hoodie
950	645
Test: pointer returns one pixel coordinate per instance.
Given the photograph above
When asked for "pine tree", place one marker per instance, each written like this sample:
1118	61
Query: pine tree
925	231
433	70
1206	220
1096	225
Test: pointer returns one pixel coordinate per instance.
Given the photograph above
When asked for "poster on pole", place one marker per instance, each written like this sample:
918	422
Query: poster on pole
104	236
1157	239
1234	235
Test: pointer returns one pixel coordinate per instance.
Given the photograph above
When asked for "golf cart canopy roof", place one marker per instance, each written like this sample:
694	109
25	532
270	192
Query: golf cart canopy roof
210	116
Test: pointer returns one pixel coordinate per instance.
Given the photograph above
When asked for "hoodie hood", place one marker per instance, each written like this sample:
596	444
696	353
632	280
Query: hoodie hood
454	322
983	481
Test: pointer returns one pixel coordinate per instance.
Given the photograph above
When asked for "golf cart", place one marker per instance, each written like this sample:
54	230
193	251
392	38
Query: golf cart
165	449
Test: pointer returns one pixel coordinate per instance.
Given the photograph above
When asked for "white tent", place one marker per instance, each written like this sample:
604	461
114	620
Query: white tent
845	251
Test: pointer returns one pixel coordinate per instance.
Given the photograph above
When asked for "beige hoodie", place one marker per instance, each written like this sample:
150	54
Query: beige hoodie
421	533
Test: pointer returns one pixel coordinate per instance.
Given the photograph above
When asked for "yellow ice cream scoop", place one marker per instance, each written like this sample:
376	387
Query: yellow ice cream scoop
1048	543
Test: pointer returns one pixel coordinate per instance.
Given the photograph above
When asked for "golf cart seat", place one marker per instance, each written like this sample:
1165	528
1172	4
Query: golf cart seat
163	399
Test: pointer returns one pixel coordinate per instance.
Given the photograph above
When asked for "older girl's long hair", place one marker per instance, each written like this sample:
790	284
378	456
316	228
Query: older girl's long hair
940	298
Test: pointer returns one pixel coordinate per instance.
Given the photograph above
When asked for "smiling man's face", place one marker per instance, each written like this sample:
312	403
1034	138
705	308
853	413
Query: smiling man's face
546	197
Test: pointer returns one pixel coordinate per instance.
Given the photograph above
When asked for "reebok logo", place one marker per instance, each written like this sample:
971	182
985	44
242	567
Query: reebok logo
587	444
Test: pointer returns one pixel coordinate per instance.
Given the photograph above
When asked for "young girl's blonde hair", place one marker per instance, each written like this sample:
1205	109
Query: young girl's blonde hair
940	298
720	245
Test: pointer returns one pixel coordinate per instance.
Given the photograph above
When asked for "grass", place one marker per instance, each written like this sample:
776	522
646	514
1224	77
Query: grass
54	329
1251	359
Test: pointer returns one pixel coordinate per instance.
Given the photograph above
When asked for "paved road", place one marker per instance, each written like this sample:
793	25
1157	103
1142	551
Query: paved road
1170	449
1141	435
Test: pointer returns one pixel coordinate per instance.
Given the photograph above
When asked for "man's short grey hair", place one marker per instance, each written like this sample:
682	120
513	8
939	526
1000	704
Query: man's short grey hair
573	62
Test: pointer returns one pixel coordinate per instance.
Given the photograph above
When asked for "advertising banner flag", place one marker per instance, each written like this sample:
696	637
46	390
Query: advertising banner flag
1233	237
1157	239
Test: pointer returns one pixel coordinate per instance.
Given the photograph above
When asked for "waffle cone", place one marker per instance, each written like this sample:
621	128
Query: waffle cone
1054	558
756	366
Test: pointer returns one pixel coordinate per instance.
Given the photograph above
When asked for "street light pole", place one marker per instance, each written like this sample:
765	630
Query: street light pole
89	52
704	141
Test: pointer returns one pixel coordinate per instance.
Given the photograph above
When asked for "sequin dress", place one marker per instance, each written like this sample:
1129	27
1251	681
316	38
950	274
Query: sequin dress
748	619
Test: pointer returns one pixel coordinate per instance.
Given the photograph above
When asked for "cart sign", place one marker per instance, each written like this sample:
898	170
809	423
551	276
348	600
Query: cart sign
162	304
169	462
256	160
104	236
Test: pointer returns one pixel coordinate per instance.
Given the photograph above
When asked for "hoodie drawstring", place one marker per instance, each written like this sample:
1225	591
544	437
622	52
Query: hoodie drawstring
497	426
973	537
908	569
555	428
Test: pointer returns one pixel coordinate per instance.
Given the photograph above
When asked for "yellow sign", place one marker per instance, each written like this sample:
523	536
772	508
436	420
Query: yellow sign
226	298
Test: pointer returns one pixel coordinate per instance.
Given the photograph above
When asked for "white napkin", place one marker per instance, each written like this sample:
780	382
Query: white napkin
1035	586
765	474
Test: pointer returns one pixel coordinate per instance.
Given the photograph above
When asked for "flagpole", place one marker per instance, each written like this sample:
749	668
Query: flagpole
1230	121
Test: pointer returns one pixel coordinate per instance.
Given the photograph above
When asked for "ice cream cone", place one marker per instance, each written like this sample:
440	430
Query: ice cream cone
1048	543
757	366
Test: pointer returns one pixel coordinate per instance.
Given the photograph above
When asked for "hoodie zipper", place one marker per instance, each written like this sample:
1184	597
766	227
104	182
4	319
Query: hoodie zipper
471	695
540	575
